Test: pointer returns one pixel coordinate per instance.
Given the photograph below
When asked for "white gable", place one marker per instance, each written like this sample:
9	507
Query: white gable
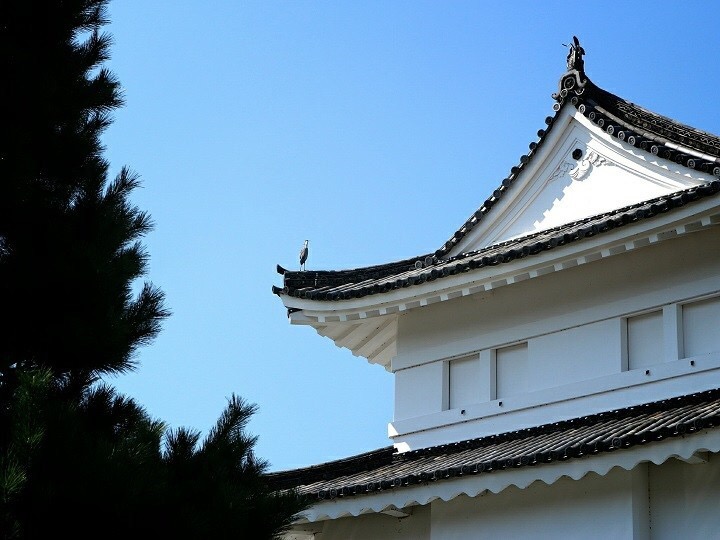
557	187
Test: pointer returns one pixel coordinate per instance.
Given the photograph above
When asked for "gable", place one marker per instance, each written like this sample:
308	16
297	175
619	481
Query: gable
579	171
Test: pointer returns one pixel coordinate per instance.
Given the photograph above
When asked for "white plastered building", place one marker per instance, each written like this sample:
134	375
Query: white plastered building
556	361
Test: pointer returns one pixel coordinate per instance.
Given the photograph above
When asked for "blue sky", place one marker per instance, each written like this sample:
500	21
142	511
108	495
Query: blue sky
373	129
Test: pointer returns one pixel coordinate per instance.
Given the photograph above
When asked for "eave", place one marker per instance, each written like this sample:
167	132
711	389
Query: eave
683	427
367	324
358	309
689	449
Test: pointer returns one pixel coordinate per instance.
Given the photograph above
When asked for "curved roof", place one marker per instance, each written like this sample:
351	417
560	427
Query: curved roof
360	282
591	435
626	121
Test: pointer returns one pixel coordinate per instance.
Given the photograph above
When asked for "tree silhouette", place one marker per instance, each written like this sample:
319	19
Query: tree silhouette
76	458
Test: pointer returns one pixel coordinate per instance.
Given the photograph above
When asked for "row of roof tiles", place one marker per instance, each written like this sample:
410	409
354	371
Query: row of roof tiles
588	435
348	284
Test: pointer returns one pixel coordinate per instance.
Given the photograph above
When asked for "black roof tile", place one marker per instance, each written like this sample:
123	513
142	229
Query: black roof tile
360	282
569	439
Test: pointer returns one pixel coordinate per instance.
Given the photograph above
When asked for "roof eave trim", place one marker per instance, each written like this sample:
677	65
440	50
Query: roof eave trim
684	448
681	221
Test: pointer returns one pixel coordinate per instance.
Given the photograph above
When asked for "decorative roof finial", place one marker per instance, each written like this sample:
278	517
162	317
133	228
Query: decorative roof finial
574	77
575	56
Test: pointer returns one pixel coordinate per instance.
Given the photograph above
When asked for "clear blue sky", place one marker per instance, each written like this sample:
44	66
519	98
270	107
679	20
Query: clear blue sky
373	129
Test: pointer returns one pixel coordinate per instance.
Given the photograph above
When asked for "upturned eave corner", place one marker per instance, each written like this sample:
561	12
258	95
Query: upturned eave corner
527	257
367	326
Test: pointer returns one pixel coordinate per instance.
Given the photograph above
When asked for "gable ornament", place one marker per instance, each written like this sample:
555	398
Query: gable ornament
592	159
574	78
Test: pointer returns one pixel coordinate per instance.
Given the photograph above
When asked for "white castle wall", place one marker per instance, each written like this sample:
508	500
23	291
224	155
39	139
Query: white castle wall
586	330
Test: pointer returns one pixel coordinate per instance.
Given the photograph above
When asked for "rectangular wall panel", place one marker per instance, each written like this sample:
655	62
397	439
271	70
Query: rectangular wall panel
701	327
464	381
645	340
512	370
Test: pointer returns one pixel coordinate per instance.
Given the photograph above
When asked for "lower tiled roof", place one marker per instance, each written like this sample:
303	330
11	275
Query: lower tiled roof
611	431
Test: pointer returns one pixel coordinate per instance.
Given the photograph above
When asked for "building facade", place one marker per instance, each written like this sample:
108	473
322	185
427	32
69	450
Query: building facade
557	360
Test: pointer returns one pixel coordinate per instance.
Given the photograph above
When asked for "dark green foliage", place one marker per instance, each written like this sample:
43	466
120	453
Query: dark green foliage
77	460
22	436
223	473
96	466
69	249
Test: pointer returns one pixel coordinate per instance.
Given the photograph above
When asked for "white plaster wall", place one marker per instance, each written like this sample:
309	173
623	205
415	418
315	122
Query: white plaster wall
701	321
576	354
465	382
611	287
684	500
594	507
512	370
379	527
573	321
420	390
645	340
661	502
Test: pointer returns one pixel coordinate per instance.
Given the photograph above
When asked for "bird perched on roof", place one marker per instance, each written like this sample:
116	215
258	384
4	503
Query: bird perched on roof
303	255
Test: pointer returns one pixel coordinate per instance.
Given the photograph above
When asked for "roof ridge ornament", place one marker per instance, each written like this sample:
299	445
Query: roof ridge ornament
574	77
575	56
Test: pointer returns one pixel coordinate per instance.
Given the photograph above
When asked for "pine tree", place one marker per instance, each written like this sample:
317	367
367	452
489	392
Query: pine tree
219	484
76	458
69	239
